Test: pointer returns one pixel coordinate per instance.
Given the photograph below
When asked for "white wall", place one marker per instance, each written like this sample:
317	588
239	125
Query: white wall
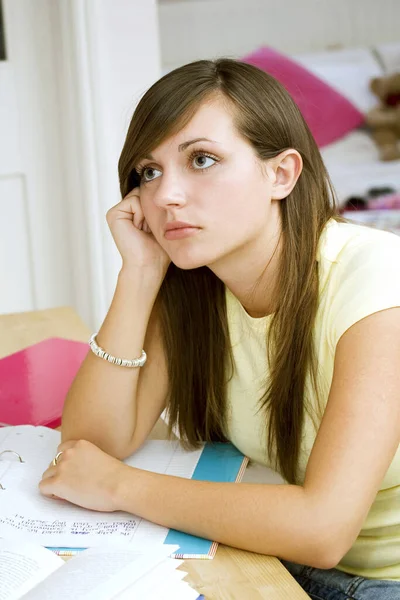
109	56
195	29
34	265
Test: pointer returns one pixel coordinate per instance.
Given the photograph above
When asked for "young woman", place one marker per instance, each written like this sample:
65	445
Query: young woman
267	321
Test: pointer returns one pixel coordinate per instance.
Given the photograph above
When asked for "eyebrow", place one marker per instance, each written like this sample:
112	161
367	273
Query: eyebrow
185	145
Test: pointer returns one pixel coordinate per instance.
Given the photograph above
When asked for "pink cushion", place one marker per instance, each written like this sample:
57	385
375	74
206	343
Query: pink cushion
328	114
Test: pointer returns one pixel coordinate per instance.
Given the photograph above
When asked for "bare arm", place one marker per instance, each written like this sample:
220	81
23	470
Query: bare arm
316	523
115	407
109	405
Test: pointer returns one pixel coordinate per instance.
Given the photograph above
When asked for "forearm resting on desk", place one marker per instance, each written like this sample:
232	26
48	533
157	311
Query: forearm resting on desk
278	520
101	404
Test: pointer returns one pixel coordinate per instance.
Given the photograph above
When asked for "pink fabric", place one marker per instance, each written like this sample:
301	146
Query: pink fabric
35	381
328	114
388	201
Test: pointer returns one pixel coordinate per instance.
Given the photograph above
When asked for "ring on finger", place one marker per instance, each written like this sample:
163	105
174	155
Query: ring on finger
55	459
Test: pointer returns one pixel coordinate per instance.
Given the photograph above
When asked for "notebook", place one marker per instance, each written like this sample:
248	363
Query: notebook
65	528
34	382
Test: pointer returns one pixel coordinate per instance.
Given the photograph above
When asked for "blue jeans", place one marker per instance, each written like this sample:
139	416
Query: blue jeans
331	584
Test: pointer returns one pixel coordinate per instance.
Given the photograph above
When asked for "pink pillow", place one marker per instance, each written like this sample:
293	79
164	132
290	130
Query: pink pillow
328	114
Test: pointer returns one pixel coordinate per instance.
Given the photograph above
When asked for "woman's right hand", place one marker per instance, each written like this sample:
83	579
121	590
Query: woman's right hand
135	242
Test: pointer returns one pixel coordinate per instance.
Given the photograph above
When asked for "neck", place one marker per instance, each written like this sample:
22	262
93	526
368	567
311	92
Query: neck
251	272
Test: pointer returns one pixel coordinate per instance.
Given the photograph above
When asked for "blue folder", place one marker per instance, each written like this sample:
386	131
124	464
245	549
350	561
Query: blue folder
218	462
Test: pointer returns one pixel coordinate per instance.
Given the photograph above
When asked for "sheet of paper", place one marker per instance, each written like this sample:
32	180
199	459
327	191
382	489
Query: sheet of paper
168	589
99	573
160	583
183	592
22	566
164	574
27	515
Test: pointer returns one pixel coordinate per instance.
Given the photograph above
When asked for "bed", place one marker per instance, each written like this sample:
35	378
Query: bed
352	161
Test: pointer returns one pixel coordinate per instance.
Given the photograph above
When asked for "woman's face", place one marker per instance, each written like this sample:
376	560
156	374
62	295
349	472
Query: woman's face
215	186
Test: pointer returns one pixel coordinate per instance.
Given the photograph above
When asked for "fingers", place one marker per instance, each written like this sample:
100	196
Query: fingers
49	472
47	487
128	208
48	483
62	448
125	208
145	227
66	445
134	192
138	220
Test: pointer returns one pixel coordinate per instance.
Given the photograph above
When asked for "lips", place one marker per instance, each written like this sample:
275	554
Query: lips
177	230
178	225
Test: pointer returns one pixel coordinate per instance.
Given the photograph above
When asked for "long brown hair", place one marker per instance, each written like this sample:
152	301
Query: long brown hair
192	302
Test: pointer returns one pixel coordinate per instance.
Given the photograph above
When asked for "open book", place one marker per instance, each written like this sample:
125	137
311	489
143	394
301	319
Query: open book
118	572
26	515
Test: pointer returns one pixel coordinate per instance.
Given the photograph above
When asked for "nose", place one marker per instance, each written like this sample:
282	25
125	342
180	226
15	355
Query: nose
170	192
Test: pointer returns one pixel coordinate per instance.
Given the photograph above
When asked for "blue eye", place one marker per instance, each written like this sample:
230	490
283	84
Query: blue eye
206	157
144	170
194	156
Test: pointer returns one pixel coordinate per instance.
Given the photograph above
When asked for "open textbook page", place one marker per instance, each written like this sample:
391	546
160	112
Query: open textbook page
27	515
33	573
22	566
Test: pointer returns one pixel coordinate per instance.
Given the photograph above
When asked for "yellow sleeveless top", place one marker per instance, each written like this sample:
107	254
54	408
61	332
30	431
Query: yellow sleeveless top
359	272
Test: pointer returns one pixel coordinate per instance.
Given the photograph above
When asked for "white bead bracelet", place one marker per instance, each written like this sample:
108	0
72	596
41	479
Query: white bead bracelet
122	362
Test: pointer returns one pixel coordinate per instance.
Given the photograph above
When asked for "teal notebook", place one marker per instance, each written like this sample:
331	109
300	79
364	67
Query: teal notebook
218	462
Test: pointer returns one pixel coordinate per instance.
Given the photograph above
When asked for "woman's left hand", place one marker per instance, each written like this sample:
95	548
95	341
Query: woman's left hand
84	475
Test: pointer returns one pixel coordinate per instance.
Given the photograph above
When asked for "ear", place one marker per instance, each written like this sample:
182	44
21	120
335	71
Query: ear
284	171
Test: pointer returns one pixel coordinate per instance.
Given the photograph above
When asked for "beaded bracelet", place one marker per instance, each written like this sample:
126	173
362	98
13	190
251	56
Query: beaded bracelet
122	362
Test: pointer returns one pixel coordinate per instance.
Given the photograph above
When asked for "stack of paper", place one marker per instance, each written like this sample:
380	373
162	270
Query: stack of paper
118	572
26	515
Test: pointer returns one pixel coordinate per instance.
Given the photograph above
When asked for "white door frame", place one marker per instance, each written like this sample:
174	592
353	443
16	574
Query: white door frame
110	55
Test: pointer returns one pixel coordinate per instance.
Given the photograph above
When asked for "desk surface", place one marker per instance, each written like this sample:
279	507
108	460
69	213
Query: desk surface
232	574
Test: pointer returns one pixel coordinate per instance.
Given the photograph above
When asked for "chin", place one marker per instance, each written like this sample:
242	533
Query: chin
188	264
187	261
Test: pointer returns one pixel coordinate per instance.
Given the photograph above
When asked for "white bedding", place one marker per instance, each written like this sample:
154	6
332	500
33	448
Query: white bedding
354	167
389	56
347	70
353	162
